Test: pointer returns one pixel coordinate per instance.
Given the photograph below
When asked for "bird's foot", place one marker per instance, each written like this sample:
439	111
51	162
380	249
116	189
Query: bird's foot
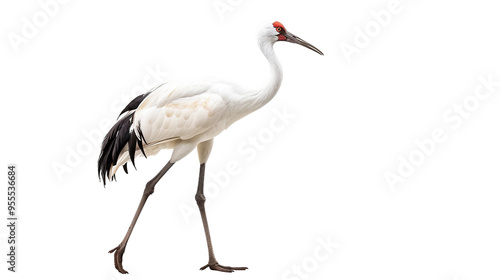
223	268
119	250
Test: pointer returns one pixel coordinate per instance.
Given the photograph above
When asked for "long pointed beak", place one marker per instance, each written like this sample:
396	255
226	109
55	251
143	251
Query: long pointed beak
294	39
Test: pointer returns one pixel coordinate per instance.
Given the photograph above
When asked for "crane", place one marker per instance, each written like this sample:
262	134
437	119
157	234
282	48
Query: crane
183	116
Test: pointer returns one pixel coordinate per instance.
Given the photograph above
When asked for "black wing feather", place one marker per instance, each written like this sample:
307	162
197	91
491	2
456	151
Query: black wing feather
132	143
137	101
116	139
134	103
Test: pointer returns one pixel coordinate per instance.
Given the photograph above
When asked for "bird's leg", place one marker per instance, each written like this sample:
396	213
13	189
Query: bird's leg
200	200
150	187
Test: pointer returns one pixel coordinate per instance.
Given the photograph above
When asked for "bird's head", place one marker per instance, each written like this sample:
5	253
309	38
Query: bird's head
276	32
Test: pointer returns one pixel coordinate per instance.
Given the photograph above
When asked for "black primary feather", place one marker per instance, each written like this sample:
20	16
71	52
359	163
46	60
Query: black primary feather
137	101
134	103
112	145
141	147
141	135
132	143
115	140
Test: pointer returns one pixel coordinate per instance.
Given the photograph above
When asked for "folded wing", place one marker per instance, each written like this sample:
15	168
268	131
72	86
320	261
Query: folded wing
181	118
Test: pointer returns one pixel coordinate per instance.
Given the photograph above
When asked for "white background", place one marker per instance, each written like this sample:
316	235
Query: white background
319	177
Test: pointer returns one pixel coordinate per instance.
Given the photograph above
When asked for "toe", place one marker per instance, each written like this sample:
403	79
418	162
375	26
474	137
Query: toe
233	268
221	268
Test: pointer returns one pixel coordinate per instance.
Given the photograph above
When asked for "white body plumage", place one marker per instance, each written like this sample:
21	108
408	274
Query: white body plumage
180	116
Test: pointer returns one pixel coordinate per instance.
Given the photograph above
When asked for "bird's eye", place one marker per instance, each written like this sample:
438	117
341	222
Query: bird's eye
278	29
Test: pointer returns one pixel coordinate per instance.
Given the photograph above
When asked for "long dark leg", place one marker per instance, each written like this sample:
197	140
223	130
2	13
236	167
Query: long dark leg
200	200
150	188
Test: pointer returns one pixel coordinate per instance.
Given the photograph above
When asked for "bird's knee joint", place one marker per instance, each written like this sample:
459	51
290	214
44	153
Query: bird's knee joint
150	188
200	199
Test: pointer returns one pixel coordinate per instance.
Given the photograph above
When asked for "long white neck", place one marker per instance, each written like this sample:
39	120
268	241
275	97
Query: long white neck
261	96
254	99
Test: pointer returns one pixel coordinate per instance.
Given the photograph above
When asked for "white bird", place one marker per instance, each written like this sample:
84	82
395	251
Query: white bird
182	117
